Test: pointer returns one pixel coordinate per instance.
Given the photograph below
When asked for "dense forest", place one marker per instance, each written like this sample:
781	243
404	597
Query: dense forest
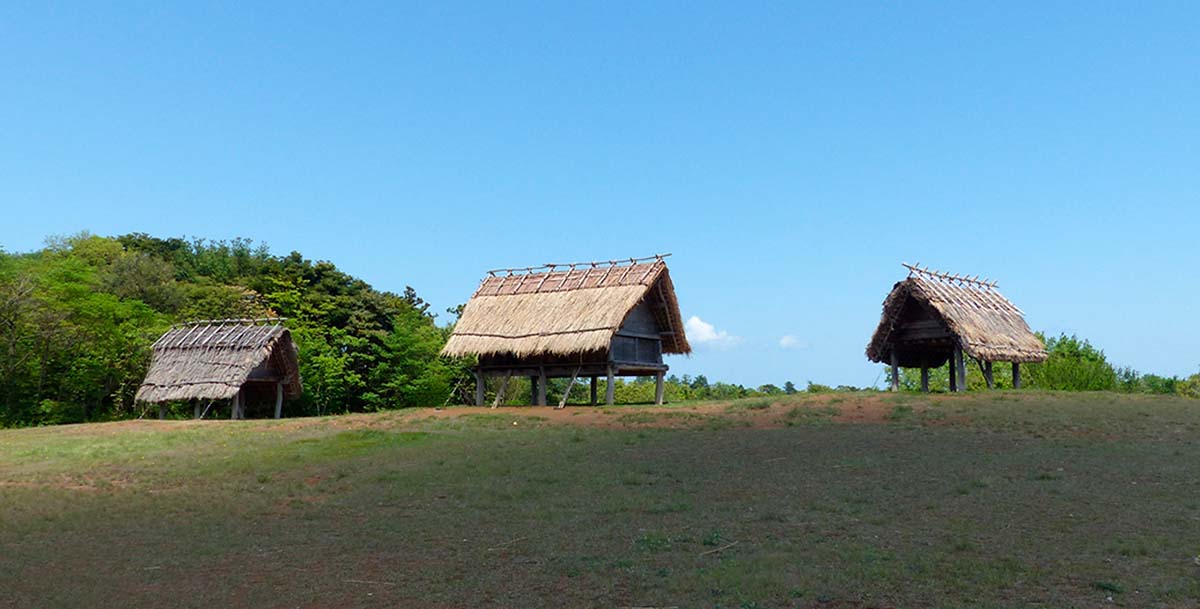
77	319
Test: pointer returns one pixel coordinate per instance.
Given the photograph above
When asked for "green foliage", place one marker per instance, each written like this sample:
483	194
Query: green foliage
1189	387
77	320
1074	365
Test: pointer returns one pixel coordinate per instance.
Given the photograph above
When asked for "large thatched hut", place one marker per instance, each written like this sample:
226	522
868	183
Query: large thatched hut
582	320
217	360
932	317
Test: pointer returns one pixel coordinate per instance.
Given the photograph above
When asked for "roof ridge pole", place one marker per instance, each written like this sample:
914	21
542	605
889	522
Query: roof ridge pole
586	275
604	277
550	271
521	281
621	281
566	276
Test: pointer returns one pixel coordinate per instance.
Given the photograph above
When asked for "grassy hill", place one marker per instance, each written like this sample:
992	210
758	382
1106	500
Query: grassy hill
861	500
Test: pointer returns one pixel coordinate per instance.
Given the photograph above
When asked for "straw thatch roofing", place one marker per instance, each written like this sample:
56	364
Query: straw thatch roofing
565	309
211	360
986	325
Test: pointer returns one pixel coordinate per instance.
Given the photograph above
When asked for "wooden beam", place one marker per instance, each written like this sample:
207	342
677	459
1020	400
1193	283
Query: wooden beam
895	371
658	389
278	399
925	379
1016	375
594	383
480	387
988	376
196	410
962	368
503	388
610	392
567	392
162	412
541	387
953	374
533	392
233	405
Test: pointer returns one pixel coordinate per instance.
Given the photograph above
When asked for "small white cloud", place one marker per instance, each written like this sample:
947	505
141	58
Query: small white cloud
703	333
791	342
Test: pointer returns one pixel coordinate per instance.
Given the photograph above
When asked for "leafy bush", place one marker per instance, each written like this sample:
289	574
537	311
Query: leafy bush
1073	365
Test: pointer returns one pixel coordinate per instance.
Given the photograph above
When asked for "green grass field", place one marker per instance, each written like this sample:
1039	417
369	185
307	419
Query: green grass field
986	500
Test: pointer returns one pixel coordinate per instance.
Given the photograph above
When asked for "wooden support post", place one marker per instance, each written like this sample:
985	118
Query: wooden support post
567	392
962	368
502	389
610	392
658	389
233	405
1016	375
533	392
594	383
895	371
162	412
988	376
925	379
953	375
279	399
541	397
480	387
196	410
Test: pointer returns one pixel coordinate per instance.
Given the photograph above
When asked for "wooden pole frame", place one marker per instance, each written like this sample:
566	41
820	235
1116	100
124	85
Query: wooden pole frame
279	399
541	393
503	388
480	388
895	371
962	368
610	392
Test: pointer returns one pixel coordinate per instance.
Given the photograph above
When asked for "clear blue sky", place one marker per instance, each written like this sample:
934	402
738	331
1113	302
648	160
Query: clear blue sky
790	157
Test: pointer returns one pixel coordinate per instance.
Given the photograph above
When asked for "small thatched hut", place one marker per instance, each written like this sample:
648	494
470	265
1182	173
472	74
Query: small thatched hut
225	359
579	320
932	317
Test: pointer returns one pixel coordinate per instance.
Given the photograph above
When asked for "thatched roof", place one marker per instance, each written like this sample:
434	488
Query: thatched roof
986	324
211	360
565	309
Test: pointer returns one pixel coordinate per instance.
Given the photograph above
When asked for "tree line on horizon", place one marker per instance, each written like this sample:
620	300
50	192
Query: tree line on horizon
78	318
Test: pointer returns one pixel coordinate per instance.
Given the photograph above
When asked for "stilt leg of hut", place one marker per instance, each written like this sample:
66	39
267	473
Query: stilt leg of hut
233	405
925	379
162	412
895	372
953	374
962	368
278	400
988	376
541	397
503	388
594	383
567	392
480	387
658	389
196	410
610	392
1016	375
533	390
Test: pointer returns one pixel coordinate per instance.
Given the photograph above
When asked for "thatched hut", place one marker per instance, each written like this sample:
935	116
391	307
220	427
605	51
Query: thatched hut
227	359
932	317
579	320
